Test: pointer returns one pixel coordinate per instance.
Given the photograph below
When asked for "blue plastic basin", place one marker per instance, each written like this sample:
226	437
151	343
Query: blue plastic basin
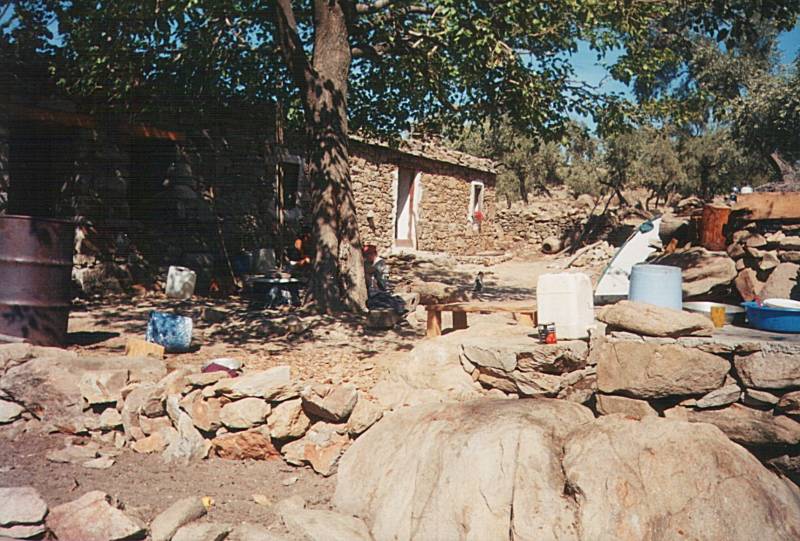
772	319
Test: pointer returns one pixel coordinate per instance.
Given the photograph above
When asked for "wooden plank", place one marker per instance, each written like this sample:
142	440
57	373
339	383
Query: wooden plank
769	205
488	307
141	348
459	320
434	323
525	318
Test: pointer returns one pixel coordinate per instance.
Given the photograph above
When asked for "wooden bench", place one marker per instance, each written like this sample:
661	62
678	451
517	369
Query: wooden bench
524	312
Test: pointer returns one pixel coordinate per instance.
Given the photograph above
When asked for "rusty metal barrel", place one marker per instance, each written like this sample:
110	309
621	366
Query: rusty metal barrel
35	279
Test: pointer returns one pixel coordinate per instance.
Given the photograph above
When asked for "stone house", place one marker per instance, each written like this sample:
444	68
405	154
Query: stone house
185	194
422	196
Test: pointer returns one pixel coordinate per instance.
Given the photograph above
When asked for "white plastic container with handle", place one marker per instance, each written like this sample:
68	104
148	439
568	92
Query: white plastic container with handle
180	283
567	300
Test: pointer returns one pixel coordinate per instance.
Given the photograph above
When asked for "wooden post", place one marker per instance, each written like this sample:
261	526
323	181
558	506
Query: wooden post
434	323
459	320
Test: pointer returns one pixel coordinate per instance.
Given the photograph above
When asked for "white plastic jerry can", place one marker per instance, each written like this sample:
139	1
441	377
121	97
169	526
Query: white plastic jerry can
180	283
567	300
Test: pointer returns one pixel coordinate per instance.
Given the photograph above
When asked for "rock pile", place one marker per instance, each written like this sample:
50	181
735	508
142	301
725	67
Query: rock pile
185	415
655	362
767	260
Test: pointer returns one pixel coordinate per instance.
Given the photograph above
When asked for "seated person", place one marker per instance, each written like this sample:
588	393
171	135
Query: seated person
296	254
375	270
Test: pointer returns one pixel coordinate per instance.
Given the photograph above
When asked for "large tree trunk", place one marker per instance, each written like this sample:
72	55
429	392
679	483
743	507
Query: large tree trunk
786	170
338	280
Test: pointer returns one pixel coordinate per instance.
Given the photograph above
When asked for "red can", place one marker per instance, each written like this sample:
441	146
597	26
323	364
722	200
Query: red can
547	333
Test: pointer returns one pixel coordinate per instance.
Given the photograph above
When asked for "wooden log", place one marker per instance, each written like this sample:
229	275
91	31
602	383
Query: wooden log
769	205
712	236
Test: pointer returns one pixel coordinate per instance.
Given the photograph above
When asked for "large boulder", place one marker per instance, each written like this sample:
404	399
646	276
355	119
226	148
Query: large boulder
702	270
405	479
431	372
666	479
546	469
768	370
651	320
45	387
646	370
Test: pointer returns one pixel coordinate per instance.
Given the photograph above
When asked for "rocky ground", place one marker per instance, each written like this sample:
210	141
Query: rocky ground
317	349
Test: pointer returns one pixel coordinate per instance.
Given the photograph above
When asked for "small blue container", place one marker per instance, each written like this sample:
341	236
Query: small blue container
772	319
172	331
661	285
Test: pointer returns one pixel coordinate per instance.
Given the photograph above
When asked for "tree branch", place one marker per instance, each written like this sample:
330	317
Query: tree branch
291	46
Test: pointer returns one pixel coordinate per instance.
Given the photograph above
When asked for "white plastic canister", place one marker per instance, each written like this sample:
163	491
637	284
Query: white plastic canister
180	283
660	285
566	299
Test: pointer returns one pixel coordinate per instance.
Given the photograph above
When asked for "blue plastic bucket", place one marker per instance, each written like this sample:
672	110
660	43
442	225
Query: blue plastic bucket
772	319
172	331
660	285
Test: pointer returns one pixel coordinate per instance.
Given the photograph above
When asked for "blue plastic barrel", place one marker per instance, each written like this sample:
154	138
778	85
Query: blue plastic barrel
660	285
172	331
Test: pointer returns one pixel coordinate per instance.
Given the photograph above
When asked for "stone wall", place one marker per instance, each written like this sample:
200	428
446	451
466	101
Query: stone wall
552	217
748	387
767	255
443	222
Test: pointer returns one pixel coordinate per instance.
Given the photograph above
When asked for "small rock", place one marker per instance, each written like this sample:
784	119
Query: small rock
155	442
72	454
21	505
320	525
202	531
748	284
266	384
92	518
321	447
720	397
202	379
110	419
99	463
253	532
206	414
630	407
21	531
176	515
245	413
289	481
330	402
150	425
759	399
9	411
365	414
262	499
789	403
103	386
288	420
213	315
188	445
251	444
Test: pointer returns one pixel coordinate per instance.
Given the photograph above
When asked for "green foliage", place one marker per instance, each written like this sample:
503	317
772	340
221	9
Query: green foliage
767	118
